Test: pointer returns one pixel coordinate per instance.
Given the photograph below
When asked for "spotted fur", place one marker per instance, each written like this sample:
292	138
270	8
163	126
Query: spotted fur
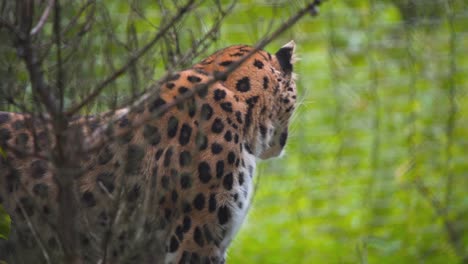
178	186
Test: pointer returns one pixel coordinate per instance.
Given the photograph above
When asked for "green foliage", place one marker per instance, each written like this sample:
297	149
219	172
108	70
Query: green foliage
5	223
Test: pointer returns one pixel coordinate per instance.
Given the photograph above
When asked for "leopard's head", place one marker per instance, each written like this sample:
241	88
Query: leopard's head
266	84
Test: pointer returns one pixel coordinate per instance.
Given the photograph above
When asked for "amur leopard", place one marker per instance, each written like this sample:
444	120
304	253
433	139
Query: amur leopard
176	189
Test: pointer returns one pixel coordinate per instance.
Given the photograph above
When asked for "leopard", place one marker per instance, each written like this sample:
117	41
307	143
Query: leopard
176	186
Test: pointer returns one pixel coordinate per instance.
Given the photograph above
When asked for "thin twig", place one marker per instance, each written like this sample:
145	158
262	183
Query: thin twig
454	237
136	56
84	29
58	42
31	227
198	47
77	16
43	18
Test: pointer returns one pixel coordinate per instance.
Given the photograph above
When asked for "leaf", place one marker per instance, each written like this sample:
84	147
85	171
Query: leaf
5	222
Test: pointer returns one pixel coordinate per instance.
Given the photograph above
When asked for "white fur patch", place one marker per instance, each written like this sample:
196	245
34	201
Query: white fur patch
244	192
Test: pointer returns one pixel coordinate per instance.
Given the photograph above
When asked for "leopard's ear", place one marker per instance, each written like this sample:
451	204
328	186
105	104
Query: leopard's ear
286	56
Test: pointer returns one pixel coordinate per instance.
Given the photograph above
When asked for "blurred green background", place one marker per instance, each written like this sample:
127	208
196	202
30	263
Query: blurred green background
376	167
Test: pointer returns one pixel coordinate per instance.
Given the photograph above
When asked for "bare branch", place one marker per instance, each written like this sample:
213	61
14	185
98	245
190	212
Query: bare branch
77	16
27	51
38	83
43	18
60	73
83	29
135	57
34	232
202	44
